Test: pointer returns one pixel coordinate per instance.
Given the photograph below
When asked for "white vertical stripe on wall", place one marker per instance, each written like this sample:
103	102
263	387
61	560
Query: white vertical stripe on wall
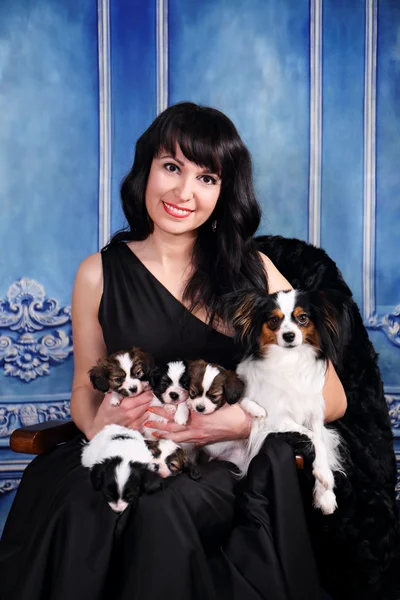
371	28
314	195
103	29
162	54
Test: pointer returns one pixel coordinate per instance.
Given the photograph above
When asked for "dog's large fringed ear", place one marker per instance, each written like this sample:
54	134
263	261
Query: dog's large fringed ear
98	377
148	364
153	377
244	310
151	482
333	321
233	387
97	475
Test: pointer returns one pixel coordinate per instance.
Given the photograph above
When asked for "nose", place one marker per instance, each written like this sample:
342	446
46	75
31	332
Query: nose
200	408
288	336
174	395
184	191
133	389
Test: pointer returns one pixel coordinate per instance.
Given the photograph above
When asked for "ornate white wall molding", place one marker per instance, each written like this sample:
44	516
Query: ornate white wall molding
103	29
161	55
393	402
26	310
314	197
8	485
13	415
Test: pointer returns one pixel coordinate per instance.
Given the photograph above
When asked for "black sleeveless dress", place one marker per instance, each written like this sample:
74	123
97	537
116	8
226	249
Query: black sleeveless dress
195	540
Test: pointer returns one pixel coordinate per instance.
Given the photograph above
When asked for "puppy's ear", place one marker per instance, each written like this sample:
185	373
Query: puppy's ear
147	364
233	387
97	476
151	482
154	377
98	378
192	470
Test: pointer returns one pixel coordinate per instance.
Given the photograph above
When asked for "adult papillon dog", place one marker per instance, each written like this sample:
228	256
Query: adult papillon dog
290	337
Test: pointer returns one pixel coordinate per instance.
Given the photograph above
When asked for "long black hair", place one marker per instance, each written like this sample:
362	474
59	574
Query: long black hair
226	259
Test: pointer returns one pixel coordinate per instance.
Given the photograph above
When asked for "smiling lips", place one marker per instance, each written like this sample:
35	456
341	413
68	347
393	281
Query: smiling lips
174	211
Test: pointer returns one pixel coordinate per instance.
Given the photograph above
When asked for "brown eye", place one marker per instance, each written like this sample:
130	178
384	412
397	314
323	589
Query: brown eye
192	394
273	322
174	466
302	319
119	379
139	373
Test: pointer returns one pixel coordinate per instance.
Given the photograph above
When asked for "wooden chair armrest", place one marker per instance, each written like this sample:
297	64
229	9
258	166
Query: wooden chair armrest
42	437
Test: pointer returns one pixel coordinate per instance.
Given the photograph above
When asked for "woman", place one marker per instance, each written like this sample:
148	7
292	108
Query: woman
192	213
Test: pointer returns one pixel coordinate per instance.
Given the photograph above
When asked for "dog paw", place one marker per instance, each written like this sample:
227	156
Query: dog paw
115	402
324	476
170	409
253	408
325	501
181	419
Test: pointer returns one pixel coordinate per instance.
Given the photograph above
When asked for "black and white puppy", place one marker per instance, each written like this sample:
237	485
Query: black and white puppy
123	374
170	385
123	464
290	336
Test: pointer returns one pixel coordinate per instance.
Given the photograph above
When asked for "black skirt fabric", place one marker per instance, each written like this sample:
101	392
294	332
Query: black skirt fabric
217	538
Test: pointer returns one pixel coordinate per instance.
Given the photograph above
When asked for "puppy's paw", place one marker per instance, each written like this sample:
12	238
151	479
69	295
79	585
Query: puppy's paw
170	408
253	408
181	419
114	401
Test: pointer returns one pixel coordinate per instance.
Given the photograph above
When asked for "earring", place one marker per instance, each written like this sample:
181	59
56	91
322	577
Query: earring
214	225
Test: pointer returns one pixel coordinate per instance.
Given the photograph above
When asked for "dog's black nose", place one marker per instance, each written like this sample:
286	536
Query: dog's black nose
174	395
133	389
200	408
288	336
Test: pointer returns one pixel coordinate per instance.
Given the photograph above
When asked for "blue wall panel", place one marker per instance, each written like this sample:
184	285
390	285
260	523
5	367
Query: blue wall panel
342	154
250	60
133	84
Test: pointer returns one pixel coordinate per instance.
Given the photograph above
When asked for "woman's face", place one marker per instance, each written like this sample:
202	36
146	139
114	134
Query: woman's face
180	195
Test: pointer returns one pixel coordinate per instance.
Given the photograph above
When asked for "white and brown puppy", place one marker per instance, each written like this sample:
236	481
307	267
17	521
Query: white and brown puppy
290	336
212	386
123	374
123	464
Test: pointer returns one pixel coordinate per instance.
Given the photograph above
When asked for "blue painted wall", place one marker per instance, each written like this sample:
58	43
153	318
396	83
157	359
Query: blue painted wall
59	86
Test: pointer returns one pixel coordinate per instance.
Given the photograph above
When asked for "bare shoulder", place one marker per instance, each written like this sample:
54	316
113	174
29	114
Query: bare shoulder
276	281
90	272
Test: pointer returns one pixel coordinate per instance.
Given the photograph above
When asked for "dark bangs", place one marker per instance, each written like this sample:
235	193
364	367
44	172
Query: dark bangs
205	137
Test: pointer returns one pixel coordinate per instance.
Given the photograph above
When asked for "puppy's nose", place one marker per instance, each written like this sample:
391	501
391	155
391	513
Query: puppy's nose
288	336
200	408
174	395
133	389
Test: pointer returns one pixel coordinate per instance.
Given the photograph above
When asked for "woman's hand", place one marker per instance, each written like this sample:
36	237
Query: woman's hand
227	423
132	413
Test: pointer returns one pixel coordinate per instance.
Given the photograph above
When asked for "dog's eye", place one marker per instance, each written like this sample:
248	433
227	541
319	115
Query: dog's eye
273	322
213	397
174	466
192	393
302	319
119	379
139	373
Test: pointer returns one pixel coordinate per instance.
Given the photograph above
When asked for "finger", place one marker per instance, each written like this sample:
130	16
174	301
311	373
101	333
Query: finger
161	412
165	426
179	437
136	401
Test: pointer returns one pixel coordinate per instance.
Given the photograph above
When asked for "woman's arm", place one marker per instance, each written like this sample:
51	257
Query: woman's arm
334	396
88	410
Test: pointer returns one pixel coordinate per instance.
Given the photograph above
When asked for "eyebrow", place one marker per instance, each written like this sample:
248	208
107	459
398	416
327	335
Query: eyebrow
207	171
